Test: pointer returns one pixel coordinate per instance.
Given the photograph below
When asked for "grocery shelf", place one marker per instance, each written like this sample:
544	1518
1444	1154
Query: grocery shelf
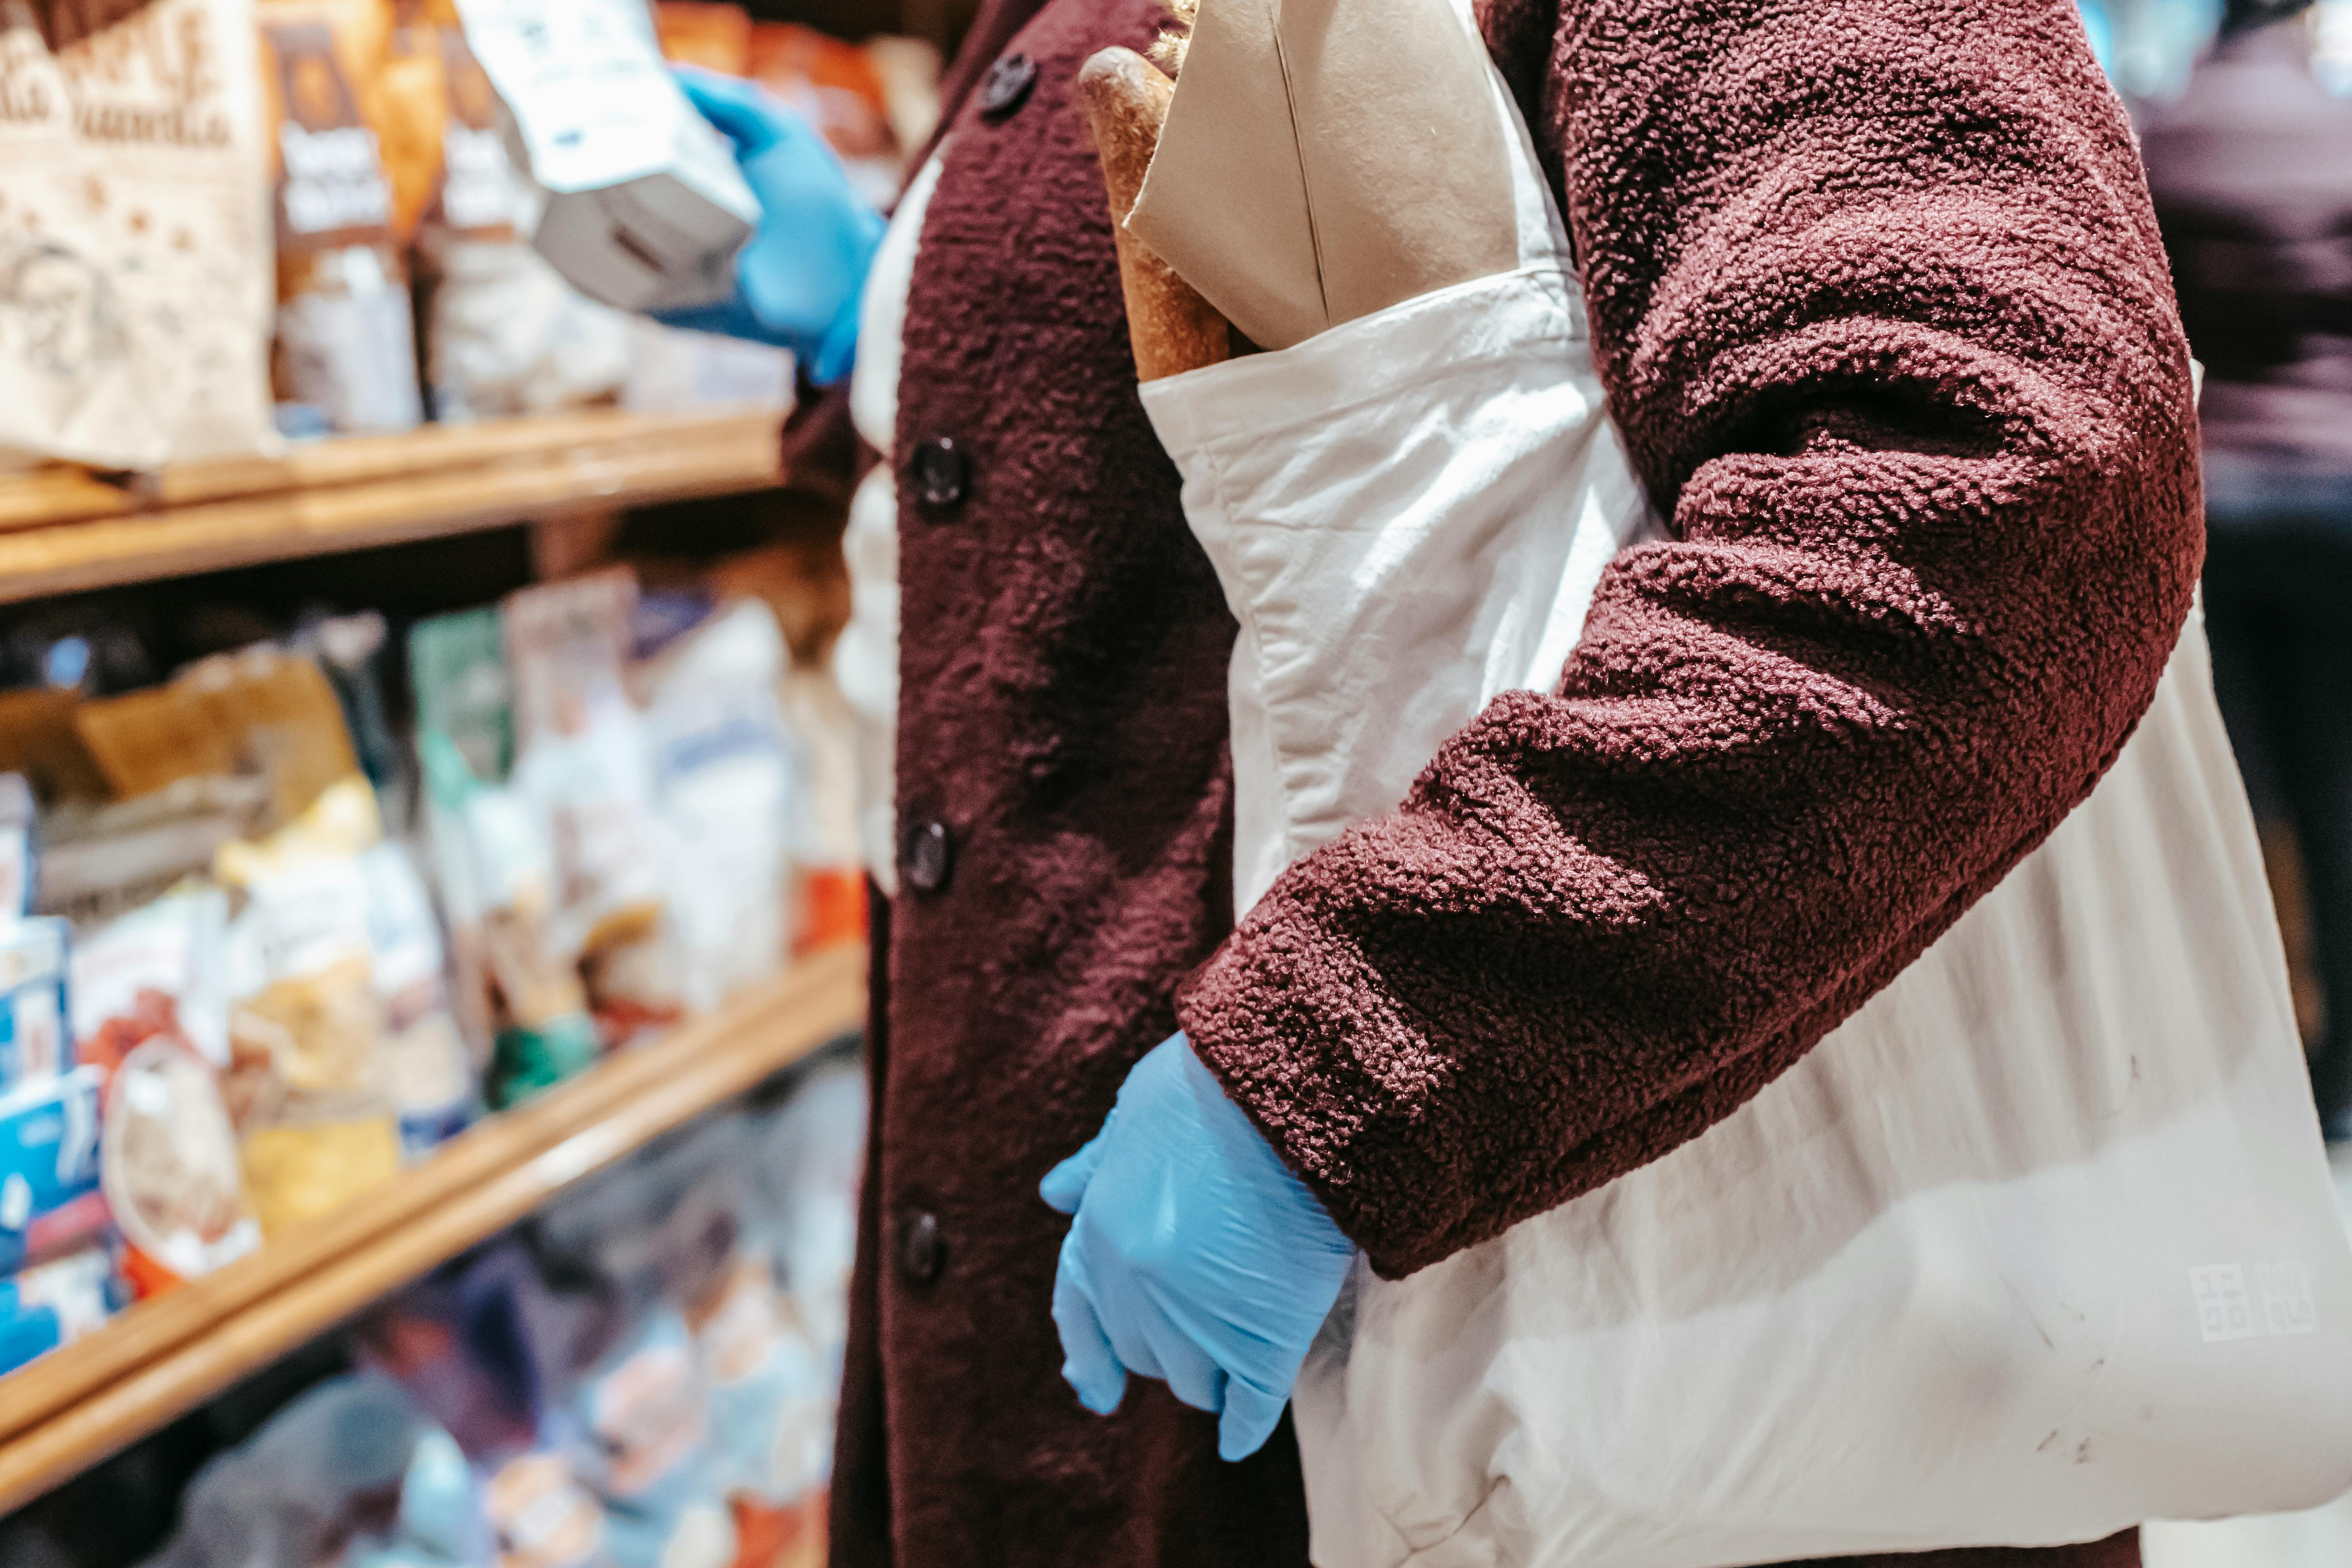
77	1405
63	529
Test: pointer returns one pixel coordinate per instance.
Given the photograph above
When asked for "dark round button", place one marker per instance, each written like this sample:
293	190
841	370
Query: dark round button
1006	85
928	857
922	1248
941	472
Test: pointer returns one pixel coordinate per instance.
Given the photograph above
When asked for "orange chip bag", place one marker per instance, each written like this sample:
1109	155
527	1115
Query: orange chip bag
697	33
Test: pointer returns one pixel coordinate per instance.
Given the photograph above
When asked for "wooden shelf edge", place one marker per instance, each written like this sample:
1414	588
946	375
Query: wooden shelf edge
347	495
79	1405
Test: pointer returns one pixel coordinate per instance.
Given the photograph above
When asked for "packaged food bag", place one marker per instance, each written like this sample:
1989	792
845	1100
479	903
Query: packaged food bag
644	1416
541	1516
840	88
305	1084
645	206
465	710
346	347
427	1072
156	970
504	334
298	1490
17	860
34	1039
170	1167
56	1303
714	37
584	767
49	1198
498	848
135	326
728	779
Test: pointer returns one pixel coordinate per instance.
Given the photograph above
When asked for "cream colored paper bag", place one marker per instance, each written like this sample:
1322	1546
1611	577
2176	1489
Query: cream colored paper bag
1325	159
134	248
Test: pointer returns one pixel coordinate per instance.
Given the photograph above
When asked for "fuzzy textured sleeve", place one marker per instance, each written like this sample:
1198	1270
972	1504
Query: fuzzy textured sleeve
1884	319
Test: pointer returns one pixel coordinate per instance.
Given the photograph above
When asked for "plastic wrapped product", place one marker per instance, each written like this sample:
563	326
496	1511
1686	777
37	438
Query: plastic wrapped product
533	1001
16	813
584	768
465	712
34	1044
132	234
839	88
541	1516
56	1303
645	209
154	971
645	1417
300	1488
774	1393
346	340
491	1353
101	862
48	1164
804	1168
305	1084
504	334
170	1167
350	651
672	370
425	1071
660	1226
714	36
728	779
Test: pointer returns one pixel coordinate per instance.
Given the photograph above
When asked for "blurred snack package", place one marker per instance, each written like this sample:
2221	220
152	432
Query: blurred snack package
153	970
839	88
584	767
53	1304
426	1071
715	37
672	370
170	1166
135	322
16	813
728	781
292	1493
346	351
260	711
48	1166
504	334
34	1044
305	1084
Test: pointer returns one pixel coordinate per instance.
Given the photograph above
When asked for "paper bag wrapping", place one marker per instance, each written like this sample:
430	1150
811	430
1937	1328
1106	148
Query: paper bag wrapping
135	251
1326	159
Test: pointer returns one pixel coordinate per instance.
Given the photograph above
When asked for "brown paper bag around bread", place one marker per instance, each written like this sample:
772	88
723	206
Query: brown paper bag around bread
1325	159
1173	328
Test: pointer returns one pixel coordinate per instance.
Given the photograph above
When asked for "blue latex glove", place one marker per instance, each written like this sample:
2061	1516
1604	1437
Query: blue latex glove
1195	1255
799	283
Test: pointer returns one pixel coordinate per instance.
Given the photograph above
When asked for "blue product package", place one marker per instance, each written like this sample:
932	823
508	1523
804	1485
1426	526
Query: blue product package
27	1332
48	1155
34	1042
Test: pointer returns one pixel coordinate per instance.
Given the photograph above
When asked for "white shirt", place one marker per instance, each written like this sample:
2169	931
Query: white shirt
866	658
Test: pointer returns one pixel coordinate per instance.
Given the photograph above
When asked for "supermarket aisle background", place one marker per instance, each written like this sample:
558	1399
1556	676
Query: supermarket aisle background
2321	1538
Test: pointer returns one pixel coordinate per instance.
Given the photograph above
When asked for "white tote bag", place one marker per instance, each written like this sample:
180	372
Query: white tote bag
2036	1247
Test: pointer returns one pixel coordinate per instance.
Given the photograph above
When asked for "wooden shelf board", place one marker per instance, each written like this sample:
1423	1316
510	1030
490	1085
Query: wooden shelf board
77	1406
63	530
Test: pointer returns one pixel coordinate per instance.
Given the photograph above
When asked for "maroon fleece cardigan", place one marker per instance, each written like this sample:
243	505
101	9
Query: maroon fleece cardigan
1884	319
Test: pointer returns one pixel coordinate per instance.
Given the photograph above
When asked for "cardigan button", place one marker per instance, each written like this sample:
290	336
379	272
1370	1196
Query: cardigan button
927	858
1006	85
922	1248
941	472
